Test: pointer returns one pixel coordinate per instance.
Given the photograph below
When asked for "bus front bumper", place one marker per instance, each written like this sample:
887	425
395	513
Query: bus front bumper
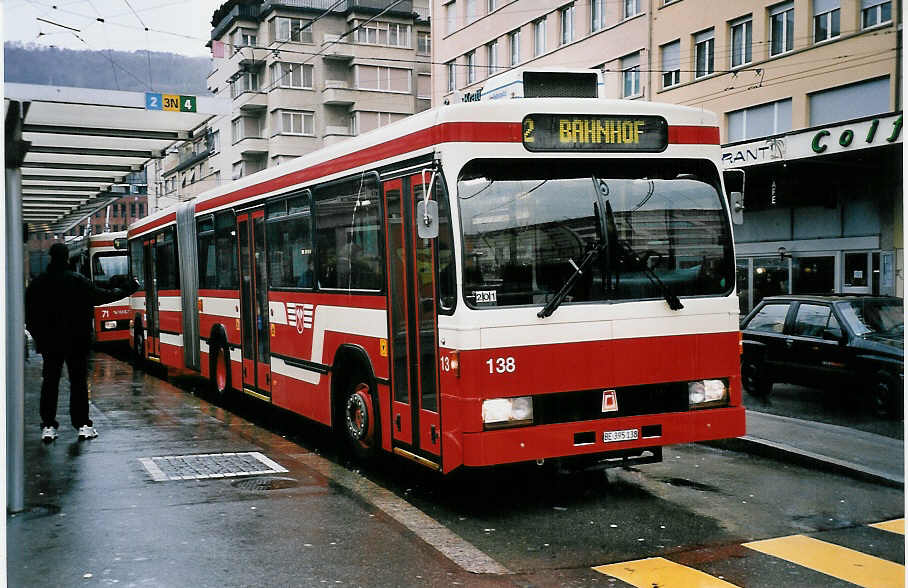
603	436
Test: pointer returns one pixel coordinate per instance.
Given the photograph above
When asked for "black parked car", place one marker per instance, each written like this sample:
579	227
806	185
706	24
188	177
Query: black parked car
855	342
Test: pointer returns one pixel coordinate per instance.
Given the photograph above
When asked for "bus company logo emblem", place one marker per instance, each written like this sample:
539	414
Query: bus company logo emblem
300	316
609	401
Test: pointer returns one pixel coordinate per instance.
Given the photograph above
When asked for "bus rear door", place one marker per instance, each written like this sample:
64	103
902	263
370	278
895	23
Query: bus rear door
254	304
152	337
415	420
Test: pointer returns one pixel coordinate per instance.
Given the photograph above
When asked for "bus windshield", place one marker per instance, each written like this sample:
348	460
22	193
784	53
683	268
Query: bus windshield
656	229
105	266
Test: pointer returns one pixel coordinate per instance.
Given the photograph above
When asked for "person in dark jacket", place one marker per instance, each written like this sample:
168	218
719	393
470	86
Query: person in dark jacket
59	314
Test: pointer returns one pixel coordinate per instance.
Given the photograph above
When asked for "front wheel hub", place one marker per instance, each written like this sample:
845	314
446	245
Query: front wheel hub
359	414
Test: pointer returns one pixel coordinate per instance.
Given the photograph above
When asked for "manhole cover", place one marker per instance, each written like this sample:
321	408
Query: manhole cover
262	484
209	465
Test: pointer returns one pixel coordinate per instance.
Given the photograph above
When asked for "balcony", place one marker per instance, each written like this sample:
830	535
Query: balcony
336	50
251	101
227	18
252	146
337	93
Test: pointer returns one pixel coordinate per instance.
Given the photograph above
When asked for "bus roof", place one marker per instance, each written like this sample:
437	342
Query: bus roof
488	121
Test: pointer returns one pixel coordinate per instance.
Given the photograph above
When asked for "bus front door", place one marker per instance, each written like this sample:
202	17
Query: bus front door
152	335
254	321
415	422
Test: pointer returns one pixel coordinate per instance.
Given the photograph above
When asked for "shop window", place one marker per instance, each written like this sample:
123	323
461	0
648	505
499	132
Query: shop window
770	277
759	121
855	275
813	275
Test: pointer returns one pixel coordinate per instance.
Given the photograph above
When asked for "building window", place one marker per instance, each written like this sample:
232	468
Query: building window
244	38
382	33
471	11
597	15
630	76
492	5
875	12
452	75
424	86
297	30
781	28
214	142
539	37
368	121
825	20
764	120
631	8
141	209
291	75
236	129
567	24
247	82
705	45
450	17
493	58
514	48
246	127
671	64
852	101
132	209
471	67
237	170
423	43
386	79
741	41
293	122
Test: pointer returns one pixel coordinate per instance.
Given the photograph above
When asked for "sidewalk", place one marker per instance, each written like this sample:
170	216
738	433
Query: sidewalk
842	449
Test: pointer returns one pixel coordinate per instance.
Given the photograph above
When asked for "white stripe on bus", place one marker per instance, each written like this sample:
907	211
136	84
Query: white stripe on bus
225	307
170	303
171	339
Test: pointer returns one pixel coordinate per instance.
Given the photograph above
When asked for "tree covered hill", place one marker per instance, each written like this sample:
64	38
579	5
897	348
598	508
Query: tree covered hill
108	70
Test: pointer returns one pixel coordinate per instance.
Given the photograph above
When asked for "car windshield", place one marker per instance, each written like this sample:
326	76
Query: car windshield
652	227
875	316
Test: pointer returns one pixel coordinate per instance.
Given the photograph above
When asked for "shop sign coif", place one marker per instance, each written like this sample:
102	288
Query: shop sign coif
853	136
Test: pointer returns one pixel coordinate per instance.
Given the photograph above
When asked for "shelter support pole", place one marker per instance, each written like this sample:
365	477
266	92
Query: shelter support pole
14	304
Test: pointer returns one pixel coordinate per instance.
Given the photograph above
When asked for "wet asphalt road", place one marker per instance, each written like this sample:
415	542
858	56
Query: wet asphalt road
700	504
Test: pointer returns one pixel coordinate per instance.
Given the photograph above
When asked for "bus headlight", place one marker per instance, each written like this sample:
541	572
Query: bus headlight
507	412
702	393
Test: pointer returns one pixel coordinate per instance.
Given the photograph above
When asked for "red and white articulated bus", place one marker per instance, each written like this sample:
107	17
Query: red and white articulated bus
478	284
99	258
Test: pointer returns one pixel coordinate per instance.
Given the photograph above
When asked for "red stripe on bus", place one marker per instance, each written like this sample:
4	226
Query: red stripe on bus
693	135
102	244
133	231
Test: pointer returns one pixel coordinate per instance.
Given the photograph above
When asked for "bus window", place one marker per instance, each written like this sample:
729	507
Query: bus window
348	235
207	265
137	259
290	260
447	285
225	238
166	261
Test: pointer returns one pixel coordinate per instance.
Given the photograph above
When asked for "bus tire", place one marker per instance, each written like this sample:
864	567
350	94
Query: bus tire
358	418
219	368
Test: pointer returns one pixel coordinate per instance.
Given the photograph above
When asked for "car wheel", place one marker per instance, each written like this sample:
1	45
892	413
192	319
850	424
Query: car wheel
885	396
358	422
753	382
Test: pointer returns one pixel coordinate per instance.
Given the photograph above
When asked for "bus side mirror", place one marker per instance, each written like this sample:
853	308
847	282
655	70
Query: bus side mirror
427	219
734	187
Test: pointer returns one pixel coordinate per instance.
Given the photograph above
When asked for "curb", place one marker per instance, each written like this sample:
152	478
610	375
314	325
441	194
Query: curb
783	452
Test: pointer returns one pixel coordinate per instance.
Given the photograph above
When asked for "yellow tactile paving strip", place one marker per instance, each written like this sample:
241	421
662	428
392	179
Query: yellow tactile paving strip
893	526
834	560
657	571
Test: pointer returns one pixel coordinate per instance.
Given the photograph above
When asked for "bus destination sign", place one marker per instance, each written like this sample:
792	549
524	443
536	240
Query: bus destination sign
588	132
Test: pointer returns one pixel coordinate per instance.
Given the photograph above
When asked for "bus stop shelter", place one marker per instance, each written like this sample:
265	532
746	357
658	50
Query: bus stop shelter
67	152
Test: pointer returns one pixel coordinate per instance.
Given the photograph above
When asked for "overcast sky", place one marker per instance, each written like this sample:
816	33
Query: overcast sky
178	26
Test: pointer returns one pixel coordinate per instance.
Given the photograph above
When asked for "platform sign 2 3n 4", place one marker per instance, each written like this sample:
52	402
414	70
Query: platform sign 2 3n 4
592	132
170	102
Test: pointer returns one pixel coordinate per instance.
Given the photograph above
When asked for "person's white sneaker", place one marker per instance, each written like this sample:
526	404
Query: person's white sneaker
48	434
87	432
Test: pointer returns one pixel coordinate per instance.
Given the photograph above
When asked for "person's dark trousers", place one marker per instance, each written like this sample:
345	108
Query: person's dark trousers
77	368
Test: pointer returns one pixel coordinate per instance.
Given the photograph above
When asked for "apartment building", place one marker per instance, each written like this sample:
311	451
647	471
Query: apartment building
809	95
301	74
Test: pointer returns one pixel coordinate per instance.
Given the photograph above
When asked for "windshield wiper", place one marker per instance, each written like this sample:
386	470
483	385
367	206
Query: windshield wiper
562	293
673	301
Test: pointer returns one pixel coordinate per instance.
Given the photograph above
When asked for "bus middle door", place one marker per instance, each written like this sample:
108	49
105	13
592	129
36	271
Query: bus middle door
152	336
255	326
413	328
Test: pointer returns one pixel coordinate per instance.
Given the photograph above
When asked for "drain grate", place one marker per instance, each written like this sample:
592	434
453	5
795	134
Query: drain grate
209	465
265	483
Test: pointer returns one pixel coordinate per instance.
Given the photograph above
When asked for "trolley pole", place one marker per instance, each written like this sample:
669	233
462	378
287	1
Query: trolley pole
14	306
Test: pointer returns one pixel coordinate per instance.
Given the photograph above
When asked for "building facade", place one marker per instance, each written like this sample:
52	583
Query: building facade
301	74
809	95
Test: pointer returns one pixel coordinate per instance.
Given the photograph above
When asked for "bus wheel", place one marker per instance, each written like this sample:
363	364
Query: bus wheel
219	367
359	420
